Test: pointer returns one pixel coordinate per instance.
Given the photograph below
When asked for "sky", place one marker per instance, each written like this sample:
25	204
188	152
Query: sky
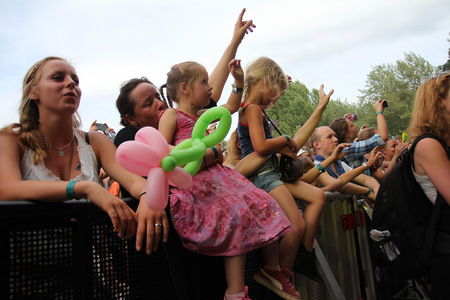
330	42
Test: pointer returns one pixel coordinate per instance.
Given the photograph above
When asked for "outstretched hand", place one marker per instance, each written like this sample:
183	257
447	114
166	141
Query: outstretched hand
236	71
375	156
241	28
337	152
324	98
379	105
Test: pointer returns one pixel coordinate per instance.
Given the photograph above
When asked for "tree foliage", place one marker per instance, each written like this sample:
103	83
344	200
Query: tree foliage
397	84
298	103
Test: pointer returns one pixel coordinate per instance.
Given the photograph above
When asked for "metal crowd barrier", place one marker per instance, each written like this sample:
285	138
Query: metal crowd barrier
69	251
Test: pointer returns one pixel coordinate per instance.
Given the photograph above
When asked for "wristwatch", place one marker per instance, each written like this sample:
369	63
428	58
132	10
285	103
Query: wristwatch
365	166
236	89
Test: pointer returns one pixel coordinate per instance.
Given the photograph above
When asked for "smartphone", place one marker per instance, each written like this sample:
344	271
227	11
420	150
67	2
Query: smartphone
385	104
101	126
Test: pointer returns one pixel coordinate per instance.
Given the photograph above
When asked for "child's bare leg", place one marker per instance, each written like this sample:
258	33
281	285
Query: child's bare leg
290	242
270	256
313	212
234	272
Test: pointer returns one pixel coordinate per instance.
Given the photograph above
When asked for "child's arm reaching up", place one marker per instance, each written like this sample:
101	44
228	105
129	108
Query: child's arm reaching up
235	98
219	75
307	129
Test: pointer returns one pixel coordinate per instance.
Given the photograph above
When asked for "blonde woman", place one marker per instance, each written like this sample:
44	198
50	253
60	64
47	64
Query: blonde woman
45	158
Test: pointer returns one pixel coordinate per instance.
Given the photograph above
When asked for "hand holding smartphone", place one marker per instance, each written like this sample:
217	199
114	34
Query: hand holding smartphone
101	126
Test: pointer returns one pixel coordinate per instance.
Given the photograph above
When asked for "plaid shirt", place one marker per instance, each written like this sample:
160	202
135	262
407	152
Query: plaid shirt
355	157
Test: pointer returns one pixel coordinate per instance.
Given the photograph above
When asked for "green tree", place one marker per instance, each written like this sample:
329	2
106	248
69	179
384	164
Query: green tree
297	105
292	109
397	84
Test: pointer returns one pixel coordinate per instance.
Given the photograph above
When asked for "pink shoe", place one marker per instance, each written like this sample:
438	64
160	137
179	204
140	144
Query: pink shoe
245	297
278	282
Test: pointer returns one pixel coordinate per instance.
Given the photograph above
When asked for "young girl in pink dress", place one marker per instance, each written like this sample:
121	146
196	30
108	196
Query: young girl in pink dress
222	213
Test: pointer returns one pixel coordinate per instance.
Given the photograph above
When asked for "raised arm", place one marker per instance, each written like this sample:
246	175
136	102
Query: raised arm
234	101
382	128
220	73
307	129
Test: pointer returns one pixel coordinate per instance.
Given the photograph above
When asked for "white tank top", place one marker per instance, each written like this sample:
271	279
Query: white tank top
88	161
426	185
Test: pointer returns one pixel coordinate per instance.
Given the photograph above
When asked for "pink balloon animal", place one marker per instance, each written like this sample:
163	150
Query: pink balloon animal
143	156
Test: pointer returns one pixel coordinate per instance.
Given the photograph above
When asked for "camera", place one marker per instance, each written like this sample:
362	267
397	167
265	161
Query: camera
101	126
385	104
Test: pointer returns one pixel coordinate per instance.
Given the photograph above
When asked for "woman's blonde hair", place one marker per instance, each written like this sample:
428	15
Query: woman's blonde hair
187	72
27	130
260	69
427	115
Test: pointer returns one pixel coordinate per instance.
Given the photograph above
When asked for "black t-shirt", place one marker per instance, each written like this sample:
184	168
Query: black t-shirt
125	134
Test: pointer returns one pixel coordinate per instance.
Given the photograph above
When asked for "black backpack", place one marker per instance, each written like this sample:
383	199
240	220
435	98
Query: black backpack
402	208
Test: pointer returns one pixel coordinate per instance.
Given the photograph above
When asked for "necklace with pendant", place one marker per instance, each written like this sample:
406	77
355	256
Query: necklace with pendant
61	151
69	165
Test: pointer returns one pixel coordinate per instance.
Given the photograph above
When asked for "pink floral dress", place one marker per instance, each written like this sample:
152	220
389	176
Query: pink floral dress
223	213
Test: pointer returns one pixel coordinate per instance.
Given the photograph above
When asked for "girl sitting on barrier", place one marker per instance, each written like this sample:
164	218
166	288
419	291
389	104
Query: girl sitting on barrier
222	213
265	83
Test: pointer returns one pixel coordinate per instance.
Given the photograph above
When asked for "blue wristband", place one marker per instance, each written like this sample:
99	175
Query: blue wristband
379	112
287	138
368	193
320	168
69	190
216	153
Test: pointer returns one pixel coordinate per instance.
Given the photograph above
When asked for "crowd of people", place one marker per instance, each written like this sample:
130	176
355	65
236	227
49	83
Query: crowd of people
236	204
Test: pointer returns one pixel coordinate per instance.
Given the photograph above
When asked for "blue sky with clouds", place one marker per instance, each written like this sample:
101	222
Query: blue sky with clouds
108	42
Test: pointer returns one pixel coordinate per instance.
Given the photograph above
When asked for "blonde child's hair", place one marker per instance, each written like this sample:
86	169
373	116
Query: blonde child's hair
187	72
260	69
427	115
27	130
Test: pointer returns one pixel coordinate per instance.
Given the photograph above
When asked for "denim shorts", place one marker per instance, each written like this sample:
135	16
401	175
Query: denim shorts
268	176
